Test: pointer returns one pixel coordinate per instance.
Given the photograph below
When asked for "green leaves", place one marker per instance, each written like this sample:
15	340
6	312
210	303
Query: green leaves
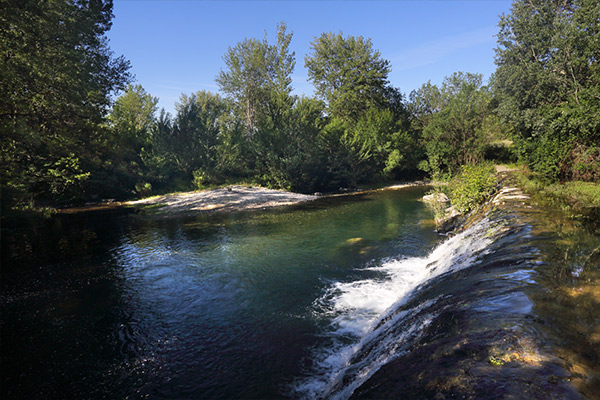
548	80
453	119
133	112
258	78
348	74
58	76
472	186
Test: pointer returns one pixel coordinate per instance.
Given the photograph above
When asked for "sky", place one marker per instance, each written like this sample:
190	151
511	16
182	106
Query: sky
177	46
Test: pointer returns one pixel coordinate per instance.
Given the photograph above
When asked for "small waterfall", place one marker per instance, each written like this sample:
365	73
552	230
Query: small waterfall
372	322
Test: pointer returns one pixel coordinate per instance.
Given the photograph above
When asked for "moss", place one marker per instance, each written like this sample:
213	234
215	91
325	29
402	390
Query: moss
498	362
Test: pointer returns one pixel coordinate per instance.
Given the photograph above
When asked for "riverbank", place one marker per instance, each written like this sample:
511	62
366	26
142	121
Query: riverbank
236	198
227	199
578	200
469	190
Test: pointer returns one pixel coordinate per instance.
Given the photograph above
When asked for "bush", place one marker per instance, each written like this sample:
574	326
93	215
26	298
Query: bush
143	189
472	186
201	179
582	164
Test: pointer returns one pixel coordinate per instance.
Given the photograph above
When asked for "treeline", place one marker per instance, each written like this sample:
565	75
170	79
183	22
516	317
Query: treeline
63	140
357	128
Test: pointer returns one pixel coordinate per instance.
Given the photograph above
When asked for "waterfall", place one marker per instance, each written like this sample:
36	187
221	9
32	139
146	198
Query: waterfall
372	322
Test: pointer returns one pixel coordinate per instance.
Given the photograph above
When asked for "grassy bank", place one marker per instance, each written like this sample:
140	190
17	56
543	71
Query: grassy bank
466	191
579	200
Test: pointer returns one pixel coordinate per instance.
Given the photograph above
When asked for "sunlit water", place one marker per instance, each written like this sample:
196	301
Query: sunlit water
352	296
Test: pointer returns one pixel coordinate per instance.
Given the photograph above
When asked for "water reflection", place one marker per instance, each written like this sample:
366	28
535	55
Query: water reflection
224	306
211	307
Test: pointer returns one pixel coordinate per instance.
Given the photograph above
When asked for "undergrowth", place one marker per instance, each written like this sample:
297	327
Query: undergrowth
579	200
472	186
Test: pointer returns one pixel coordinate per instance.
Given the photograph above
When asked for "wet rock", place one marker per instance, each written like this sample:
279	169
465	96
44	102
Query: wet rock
451	220
436	198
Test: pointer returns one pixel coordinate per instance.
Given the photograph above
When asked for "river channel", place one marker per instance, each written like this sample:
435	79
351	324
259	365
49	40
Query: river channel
345	297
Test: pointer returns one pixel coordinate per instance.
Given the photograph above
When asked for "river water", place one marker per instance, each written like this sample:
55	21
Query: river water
344	297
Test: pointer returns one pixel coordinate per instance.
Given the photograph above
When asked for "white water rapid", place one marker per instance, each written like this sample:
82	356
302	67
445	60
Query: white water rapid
364	312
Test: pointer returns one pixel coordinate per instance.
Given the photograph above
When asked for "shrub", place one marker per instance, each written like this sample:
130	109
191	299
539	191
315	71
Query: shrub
143	189
472	186
201	179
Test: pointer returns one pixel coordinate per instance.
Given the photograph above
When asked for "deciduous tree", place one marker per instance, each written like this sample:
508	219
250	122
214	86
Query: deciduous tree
57	78
348	74
258	77
548	80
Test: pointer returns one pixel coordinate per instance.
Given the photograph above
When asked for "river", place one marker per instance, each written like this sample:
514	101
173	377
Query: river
347	297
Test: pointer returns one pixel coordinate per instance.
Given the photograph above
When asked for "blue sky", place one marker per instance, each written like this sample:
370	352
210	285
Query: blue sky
177	47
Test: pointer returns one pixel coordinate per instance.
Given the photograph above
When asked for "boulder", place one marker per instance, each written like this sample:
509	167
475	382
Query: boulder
436	198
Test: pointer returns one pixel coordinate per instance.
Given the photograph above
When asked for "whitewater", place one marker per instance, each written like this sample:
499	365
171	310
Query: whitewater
366	313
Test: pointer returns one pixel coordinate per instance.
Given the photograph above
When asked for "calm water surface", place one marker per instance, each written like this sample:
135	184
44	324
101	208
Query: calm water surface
350	297
206	307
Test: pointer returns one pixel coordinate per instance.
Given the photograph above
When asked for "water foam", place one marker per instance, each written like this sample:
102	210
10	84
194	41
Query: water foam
363	314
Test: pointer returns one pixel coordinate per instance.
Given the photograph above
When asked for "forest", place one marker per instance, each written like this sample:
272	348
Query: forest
75	126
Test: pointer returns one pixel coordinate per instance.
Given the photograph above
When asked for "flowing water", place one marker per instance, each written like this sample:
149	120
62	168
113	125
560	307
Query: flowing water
344	297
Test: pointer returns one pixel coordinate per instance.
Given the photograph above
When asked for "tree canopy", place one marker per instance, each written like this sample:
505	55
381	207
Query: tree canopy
58	75
548	83
67	137
452	119
258	77
348	74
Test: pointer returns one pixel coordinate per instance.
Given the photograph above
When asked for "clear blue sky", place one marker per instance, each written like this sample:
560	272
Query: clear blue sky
177	47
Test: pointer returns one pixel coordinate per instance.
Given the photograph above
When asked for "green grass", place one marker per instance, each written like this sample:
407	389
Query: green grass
579	200
581	194
584	193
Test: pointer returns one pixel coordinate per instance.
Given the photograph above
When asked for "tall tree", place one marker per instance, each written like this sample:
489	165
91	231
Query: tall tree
133	116
192	139
453	121
132	121
258	77
348	74
58	76
548	80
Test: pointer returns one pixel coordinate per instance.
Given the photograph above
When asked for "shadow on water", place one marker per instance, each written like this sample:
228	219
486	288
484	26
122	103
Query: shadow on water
195	307
347	297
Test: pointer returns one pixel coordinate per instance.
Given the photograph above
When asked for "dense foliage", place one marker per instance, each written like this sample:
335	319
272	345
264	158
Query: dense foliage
548	83
348	74
456	120
65	137
57	77
472	186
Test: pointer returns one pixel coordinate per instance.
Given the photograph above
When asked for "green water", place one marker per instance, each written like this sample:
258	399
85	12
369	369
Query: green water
204	307
348	297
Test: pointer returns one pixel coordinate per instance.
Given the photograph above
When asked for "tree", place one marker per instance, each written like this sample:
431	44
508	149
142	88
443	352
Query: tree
58	75
258	77
348	74
133	117
454	114
295	158
132	121
548	81
191	139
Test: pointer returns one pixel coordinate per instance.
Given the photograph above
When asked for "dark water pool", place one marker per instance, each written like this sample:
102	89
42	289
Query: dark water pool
352	296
